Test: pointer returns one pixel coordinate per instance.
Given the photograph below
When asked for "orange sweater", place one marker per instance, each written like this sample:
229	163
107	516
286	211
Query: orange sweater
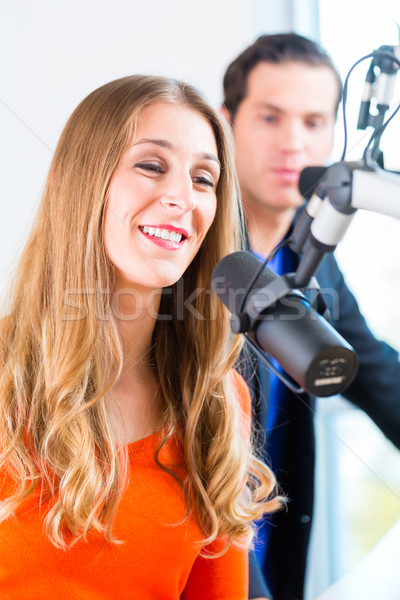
158	559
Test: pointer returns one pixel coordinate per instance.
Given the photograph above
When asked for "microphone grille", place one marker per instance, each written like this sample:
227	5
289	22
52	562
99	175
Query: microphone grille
309	179
233	274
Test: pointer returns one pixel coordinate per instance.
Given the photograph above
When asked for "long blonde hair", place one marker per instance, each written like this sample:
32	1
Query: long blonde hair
57	366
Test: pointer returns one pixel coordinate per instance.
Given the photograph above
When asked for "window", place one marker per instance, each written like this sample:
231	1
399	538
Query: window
358	472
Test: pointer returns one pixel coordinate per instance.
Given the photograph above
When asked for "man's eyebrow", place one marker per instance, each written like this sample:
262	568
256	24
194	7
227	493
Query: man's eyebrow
166	144
268	106
278	109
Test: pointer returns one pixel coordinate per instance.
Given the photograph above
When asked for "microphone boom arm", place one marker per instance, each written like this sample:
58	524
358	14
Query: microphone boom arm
348	186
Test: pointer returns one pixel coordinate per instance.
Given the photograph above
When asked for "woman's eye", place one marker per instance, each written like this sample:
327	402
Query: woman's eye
203	180
149	166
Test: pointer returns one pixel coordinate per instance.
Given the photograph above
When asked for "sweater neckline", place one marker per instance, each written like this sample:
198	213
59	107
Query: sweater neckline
144	447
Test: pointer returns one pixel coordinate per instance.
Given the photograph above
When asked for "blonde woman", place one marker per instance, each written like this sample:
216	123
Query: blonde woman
126	470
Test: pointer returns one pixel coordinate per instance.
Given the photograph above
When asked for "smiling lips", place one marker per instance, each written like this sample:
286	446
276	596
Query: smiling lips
165	235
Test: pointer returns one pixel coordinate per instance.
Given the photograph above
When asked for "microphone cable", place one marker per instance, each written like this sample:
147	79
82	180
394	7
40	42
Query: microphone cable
377	132
257	274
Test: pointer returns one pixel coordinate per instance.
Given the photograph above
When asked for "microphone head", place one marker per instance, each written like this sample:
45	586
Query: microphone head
309	179
233	274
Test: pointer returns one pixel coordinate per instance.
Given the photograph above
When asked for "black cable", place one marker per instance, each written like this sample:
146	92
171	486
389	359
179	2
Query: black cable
286	380
380	130
375	54
375	134
345	86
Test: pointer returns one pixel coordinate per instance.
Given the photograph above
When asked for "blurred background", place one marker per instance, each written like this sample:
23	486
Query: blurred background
54	53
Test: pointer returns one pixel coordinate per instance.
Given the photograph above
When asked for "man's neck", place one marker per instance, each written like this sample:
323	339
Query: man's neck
266	227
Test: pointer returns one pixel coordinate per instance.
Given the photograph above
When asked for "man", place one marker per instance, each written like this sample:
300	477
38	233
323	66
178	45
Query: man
281	98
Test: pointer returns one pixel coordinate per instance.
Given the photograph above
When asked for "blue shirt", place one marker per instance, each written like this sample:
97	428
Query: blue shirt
279	264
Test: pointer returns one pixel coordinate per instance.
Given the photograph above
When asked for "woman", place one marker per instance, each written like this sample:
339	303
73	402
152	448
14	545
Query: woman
127	469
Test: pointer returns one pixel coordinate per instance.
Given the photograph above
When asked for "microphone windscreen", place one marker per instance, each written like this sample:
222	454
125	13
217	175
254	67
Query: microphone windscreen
233	274
309	179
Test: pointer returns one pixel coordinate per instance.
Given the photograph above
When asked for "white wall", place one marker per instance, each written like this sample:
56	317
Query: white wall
54	53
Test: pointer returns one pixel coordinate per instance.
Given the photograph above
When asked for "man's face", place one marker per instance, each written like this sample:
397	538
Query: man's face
284	124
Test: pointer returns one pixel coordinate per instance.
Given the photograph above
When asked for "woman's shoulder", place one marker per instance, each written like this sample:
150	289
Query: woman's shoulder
241	389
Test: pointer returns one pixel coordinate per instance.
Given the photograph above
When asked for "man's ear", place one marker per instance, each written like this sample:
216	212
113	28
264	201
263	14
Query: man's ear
226	114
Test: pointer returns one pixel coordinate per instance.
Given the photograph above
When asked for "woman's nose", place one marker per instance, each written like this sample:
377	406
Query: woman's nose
178	194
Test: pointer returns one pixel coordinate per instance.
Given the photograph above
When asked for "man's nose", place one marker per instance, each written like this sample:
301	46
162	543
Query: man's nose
292	136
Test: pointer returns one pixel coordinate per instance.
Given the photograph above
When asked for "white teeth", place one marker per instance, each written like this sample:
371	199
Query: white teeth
172	236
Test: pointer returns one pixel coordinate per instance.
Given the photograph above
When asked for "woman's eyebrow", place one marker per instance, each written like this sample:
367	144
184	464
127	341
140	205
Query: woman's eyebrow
157	142
209	156
166	144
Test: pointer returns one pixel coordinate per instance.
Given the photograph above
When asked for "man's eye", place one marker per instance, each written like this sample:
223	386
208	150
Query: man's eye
314	124
268	118
148	166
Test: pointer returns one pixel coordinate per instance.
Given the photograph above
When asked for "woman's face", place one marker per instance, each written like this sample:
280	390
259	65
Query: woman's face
162	198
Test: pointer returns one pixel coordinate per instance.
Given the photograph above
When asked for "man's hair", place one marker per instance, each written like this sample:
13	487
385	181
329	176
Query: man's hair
277	49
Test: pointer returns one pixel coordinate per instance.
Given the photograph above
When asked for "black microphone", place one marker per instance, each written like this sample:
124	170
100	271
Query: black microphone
309	179
304	344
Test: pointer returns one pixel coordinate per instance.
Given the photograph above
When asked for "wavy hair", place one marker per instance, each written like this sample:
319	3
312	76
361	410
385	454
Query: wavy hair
57	365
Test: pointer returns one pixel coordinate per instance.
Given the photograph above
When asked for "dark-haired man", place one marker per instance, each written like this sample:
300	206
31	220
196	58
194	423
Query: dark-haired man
281	97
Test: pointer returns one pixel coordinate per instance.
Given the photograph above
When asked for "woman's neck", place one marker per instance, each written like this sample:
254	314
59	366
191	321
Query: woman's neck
134	401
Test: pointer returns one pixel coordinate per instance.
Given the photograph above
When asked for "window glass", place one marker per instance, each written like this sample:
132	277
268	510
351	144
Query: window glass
358	497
